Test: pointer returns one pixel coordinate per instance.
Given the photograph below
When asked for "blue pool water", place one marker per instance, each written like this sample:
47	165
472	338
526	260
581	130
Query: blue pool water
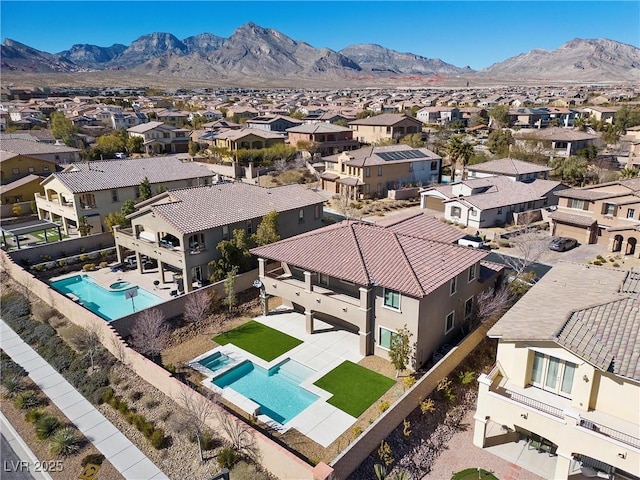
215	361
108	304
277	390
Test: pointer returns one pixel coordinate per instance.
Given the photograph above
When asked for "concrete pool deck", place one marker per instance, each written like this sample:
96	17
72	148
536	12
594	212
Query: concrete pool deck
322	352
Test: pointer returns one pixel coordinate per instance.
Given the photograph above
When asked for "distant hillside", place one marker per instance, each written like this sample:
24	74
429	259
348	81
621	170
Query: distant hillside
254	54
578	60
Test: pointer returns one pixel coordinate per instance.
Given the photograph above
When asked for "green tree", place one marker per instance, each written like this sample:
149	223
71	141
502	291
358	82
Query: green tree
145	189
194	148
627	117
400	349
588	153
342	122
296	114
62	128
498	142
233	253
84	228
477	119
231	299
135	144
128	207
629	173
580	124
572	170
113	219
364	114
413	140
267	231
500	115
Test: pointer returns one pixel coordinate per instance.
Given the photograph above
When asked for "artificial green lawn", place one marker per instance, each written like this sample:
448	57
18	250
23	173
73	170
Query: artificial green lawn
258	339
354	388
472	474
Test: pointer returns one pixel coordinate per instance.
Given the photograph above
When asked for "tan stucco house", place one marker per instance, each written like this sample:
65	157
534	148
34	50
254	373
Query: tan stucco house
566	383
159	137
92	190
182	228
388	126
373	280
327	138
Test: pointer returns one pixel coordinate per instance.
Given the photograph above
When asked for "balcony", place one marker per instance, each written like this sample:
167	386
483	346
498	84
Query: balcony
55	205
172	255
594	433
318	299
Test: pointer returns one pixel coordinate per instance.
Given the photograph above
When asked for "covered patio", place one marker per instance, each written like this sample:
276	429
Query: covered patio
21	233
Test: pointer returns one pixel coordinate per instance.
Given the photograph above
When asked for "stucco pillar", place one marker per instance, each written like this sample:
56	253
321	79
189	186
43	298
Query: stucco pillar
308	318
481	418
262	263
366	330
308	284
161	268
479	430
65	225
563	464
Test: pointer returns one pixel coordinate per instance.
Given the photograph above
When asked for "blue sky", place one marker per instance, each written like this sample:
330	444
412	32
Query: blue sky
474	33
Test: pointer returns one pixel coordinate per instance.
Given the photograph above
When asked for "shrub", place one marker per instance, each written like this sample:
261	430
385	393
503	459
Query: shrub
14	306
466	377
93	458
427	405
104	264
383	406
135	396
84	258
502	242
151	404
408	382
615	265
27	399
88	267
356	432
13	384
247	471
207	441
62	263
65	441
600	257
33	415
157	439
597	262
227	458
46	426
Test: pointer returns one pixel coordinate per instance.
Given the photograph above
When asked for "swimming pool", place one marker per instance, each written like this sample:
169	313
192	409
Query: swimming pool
216	361
277	390
108	304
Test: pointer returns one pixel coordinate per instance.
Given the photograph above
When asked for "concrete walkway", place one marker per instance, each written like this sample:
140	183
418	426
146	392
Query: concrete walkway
117	448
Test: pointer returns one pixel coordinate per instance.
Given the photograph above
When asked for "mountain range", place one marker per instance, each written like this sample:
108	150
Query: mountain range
256	51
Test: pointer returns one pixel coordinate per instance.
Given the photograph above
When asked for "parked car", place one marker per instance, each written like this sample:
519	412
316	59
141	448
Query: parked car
562	244
120	155
473	241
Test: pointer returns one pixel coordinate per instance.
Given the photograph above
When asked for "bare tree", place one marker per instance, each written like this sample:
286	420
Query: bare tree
529	248
346	205
119	349
241	438
197	307
198	410
230	288
150	333
89	340
492	304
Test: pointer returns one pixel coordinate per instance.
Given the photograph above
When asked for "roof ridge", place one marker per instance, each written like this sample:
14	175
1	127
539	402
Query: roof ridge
407	262
360	255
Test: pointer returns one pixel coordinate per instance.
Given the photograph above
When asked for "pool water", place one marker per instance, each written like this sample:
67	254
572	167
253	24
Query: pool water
108	304
216	361
277	390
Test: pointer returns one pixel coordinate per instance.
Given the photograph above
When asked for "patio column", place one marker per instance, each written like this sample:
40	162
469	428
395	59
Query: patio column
261	267
366	330
139	262
308	285
563	464
161	268
65	225
308	317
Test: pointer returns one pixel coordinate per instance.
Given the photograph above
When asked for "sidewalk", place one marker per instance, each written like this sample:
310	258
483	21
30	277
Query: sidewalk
116	447
21	451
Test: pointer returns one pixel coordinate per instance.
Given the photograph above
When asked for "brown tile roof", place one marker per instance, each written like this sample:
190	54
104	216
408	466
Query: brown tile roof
321	127
27	147
368	254
573	219
423	226
196	209
554	133
233	134
390	154
386	119
586	194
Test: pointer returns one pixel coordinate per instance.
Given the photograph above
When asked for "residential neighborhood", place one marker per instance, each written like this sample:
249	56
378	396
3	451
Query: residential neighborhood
316	283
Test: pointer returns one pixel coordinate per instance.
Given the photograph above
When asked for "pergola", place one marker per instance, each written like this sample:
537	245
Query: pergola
27	228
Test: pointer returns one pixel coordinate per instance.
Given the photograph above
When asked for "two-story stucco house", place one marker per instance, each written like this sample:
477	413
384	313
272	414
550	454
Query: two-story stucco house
373	171
273	123
607	214
246	138
328	138
512	168
92	190
182	228
161	138
566	384
373	280
489	201
47	152
555	141
388	126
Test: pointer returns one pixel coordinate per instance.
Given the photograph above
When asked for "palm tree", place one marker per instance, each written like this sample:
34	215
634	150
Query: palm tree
457	149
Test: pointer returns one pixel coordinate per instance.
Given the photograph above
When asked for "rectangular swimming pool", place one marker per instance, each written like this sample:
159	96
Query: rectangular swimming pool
109	304
277	391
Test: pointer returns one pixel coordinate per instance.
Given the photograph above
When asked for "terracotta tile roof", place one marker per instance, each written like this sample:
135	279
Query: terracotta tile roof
423	226
196	209
573	219
105	175
508	166
368	254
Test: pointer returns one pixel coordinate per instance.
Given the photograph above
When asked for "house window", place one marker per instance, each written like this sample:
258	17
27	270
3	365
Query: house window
367	172
316	212
379	170
249	227
472	272
631	212
453	285
499	210
434	165
16	170
552	374
225	232
136	191
449	322
579	204
468	308
196	241
411	167
114	195
392	299
385	338
31	169
609	209
473	212
455	211
45	168
301	215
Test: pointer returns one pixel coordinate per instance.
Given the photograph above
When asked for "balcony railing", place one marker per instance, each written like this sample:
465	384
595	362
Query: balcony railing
536	404
610	432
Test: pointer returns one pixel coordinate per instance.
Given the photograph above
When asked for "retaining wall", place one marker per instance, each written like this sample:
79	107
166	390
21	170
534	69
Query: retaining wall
57	250
273	457
7	210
